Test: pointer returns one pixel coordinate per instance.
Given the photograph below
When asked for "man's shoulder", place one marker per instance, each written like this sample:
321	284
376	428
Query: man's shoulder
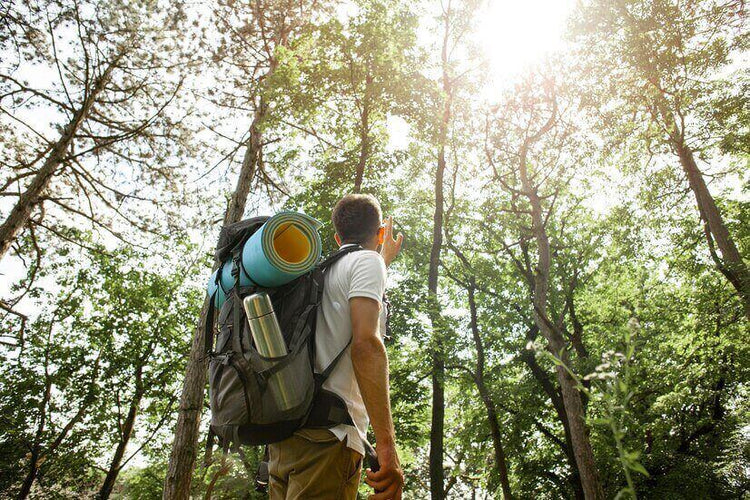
366	254
366	258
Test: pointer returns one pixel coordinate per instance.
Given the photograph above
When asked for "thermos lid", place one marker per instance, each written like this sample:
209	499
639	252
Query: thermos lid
258	304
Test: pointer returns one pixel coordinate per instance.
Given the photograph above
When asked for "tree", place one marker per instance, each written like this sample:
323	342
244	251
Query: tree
139	315
532	114
112	343
477	374
455	22
662	59
359	71
112	75
678	422
254	40
56	384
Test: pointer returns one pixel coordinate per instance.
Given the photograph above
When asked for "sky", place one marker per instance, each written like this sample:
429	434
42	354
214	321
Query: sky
517	33
512	35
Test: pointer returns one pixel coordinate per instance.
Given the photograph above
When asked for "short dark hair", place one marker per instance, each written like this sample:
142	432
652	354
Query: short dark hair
357	217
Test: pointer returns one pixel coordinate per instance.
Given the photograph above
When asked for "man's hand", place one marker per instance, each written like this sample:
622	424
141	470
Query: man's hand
391	246
388	482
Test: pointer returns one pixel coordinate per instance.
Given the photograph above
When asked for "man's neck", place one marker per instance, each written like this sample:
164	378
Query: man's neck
367	246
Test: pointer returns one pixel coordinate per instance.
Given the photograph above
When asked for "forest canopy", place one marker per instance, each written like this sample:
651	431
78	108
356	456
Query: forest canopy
569	313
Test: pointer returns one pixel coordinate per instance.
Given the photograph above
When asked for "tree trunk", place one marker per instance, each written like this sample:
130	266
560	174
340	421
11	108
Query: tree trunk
489	404
184	446
364	136
730	264
32	196
571	397
125	433
438	362
30	475
497	443
554	396
437	475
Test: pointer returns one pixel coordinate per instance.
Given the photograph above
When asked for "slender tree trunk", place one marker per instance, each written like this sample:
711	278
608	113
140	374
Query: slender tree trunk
437	475
184	446
571	397
37	456
489	403
125	434
554	396
364	136
500	461
730	264
437	478
30	475
223	471
33	195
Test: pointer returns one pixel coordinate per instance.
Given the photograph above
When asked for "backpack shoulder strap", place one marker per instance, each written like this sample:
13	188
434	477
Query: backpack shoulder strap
335	256
208	326
322	376
328	262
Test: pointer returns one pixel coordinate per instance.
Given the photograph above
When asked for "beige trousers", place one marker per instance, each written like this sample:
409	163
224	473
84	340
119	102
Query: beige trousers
313	464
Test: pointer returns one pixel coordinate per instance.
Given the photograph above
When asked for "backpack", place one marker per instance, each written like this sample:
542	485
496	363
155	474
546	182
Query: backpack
243	410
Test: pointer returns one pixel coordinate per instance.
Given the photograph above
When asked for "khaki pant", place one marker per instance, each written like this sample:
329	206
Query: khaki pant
313	464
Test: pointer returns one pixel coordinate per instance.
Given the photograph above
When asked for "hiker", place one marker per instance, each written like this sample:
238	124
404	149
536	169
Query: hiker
325	463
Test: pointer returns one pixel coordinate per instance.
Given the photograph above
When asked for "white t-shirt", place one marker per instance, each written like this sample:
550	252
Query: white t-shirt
358	274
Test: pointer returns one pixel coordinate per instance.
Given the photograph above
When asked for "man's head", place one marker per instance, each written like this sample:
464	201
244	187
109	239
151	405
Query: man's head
357	218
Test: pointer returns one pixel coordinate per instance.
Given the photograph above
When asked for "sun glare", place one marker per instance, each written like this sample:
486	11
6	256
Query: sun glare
518	33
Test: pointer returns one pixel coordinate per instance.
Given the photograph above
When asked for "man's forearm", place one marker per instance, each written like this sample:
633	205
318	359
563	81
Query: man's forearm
371	369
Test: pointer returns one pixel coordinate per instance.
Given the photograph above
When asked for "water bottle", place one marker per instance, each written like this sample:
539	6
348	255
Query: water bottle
269	342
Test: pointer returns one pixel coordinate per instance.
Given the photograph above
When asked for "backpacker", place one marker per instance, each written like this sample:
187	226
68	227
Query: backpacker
242	411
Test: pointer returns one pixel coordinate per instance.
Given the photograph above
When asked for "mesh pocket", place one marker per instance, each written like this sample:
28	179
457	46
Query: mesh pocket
286	388
230	403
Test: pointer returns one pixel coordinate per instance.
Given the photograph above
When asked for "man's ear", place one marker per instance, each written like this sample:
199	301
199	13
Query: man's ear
381	235
337	238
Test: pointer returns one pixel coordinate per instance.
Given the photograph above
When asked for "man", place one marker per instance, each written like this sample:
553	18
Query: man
326	463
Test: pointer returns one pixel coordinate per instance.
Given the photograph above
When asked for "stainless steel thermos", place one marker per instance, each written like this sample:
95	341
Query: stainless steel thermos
264	327
269	342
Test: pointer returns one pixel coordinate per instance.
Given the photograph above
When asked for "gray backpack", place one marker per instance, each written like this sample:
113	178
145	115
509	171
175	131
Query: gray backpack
242	408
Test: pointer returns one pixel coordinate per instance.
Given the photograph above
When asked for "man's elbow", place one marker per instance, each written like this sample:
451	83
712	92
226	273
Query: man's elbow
366	347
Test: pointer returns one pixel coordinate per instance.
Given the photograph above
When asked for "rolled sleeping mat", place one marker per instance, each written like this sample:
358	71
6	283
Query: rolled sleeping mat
214	286
286	246
223	284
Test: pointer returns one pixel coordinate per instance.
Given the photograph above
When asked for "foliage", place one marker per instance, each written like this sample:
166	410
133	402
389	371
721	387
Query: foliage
66	391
